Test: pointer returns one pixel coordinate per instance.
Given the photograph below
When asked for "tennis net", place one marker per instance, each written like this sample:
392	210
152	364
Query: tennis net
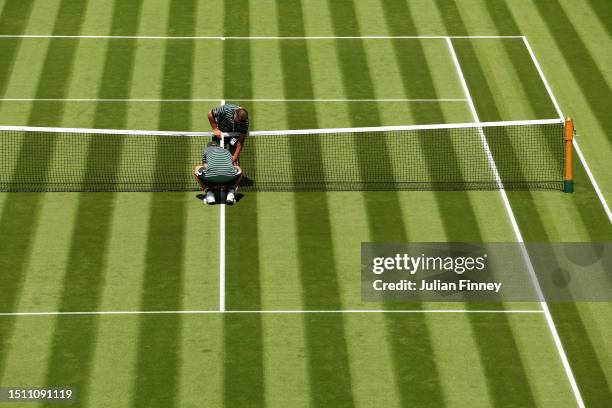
492	155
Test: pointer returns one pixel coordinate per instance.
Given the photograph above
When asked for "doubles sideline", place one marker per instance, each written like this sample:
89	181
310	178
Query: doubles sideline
552	97
518	235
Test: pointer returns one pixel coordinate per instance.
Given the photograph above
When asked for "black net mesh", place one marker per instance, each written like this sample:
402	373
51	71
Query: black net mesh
527	156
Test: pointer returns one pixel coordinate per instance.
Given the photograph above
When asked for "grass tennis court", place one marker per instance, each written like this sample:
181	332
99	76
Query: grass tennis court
275	318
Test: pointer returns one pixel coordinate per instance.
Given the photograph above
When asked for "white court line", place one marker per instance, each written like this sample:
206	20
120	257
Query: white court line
330	100
604	203
255	38
598	191
375	129
518	235
222	241
206	312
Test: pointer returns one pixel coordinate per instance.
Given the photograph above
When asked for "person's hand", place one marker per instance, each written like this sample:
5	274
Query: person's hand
217	133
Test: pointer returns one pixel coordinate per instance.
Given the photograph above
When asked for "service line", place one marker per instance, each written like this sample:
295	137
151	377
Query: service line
207	312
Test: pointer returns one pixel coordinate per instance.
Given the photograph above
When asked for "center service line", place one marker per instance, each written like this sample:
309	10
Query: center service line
222	243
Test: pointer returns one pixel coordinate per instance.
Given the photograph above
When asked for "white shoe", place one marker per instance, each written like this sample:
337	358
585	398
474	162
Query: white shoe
231	196
210	198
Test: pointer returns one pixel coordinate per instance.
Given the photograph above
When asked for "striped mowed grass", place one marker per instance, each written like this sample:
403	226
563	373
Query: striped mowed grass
289	251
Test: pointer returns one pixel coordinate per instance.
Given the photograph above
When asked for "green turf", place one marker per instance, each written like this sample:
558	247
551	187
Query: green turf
203	363
292	251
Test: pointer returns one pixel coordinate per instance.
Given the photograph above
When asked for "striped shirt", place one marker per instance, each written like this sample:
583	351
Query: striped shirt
219	162
224	116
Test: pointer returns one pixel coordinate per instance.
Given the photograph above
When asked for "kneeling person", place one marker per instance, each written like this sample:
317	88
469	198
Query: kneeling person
217	170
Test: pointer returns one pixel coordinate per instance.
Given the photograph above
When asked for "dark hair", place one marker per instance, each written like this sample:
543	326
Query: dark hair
242	116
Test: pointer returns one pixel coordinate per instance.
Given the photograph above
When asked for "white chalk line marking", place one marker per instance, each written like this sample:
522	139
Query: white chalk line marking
151	100
519	236
205	312
552	97
257	38
222	242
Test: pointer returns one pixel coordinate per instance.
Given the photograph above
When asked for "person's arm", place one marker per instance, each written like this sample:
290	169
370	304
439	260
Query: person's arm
213	125
239	179
197	178
239	145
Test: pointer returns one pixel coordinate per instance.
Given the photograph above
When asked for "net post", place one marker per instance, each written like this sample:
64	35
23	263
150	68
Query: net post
568	176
